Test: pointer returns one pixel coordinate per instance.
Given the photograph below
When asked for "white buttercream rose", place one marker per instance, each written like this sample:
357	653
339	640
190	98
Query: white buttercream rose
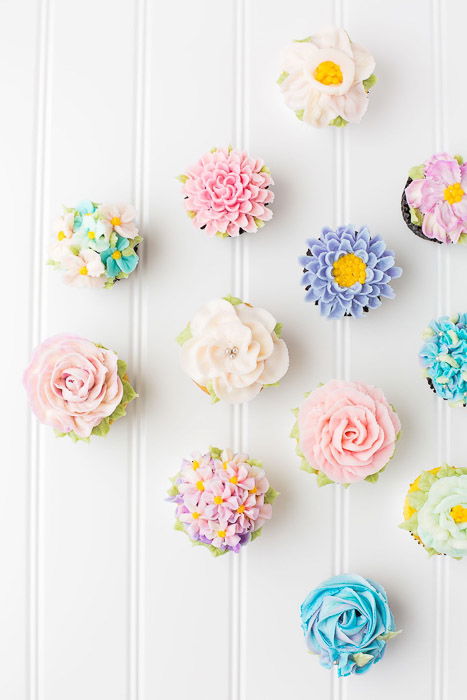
233	350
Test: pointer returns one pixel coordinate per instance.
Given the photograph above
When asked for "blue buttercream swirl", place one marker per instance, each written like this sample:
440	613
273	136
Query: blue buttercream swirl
444	357
319	278
347	621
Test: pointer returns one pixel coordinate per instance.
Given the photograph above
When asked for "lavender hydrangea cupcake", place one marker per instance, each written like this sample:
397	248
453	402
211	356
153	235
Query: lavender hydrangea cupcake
348	272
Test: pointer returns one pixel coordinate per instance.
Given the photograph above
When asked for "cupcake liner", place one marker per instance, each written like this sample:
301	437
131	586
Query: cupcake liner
417	230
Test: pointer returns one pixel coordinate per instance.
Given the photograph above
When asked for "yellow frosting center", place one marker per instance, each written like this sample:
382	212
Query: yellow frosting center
348	270
225	465
91	235
218	500
233	480
459	514
328	73
195	464
115	221
453	193
221	533
254	490
117	255
200	485
61	235
195	515
83	270
241	509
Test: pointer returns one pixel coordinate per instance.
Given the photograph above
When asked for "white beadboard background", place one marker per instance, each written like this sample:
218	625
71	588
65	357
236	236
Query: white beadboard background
100	599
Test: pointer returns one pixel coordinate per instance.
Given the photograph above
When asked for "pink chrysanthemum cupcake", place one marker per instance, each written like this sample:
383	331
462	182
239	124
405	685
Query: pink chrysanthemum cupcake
228	193
222	500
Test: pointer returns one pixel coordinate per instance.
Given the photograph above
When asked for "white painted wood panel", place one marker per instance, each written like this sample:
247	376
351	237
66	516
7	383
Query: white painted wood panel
99	597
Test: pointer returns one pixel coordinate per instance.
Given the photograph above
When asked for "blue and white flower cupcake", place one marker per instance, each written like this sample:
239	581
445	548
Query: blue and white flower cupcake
444	358
348	272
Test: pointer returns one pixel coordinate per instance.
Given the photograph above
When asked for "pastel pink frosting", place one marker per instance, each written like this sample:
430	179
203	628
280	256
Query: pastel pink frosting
442	220
227	191
347	430
72	384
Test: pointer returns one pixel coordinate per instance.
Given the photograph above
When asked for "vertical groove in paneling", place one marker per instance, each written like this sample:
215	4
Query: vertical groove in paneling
36	306
239	413
338	689
138	305
441	564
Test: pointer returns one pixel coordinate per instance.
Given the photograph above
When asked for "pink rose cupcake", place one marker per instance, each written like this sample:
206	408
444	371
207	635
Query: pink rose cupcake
434	200
345	432
227	193
77	387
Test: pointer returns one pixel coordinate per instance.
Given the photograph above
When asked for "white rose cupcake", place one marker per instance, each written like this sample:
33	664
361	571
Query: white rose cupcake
232	350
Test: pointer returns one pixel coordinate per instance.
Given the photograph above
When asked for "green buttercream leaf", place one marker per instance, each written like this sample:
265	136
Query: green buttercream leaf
182	178
282	77
259	222
299	114
103	427
307	39
294	432
109	283
173	491
119	412
416	499
113	240
372	478
416	217
369	82
191	214
254	462
338	121
462	239
185	335
322	479
121	368
215	452
121	275
388	635
221	234
235	301
265	169
459	159
362	659
278	329
270	495
129	394
411	524
295	411
256	534
305	467
136	241
53	263
75	249
178	525
212	393
274	384
426	480
417	172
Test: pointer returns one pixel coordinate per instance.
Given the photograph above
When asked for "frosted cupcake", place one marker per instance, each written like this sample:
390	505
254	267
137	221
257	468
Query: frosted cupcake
345	432
434	200
435	511
348	272
228	193
222	500
444	358
232	350
326	78
77	387
95	245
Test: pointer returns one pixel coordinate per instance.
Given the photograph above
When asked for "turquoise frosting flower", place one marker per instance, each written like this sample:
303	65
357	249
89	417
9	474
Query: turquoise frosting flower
347	621
82	209
444	357
442	520
119	258
93	233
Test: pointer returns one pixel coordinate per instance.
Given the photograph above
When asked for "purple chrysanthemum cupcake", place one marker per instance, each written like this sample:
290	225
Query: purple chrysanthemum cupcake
347	272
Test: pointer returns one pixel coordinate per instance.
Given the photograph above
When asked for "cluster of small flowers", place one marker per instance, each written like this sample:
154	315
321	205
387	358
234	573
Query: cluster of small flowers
222	499
95	244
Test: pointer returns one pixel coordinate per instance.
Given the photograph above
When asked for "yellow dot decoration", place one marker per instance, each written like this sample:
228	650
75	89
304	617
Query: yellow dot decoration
195	515
348	270
218	500
328	73
241	509
61	235
91	235
83	270
117	255
195	464
116	221
200	485
459	514
453	193
221	533
253	490
233	480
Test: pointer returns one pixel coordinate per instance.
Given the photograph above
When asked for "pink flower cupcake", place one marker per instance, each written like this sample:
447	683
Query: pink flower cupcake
228	193
222	500
345	432
434	200
77	387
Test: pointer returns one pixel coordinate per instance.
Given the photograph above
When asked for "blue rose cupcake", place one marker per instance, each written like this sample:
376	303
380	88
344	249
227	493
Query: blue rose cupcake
444	358
347	272
347	622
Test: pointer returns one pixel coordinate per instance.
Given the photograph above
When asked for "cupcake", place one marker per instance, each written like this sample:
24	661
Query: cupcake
434	200
222	500
95	245
227	193
347	272
435	511
444	358
326	78
347	622
345	432
232	350
77	387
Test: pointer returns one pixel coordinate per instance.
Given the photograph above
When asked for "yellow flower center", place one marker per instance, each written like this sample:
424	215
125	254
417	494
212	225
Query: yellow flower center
195	515
117	255
221	533
328	73
348	270
115	221
254	490
200	485
241	509
459	514
233	480
453	193
83	270
218	500
91	234
195	464
224	465
61	235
